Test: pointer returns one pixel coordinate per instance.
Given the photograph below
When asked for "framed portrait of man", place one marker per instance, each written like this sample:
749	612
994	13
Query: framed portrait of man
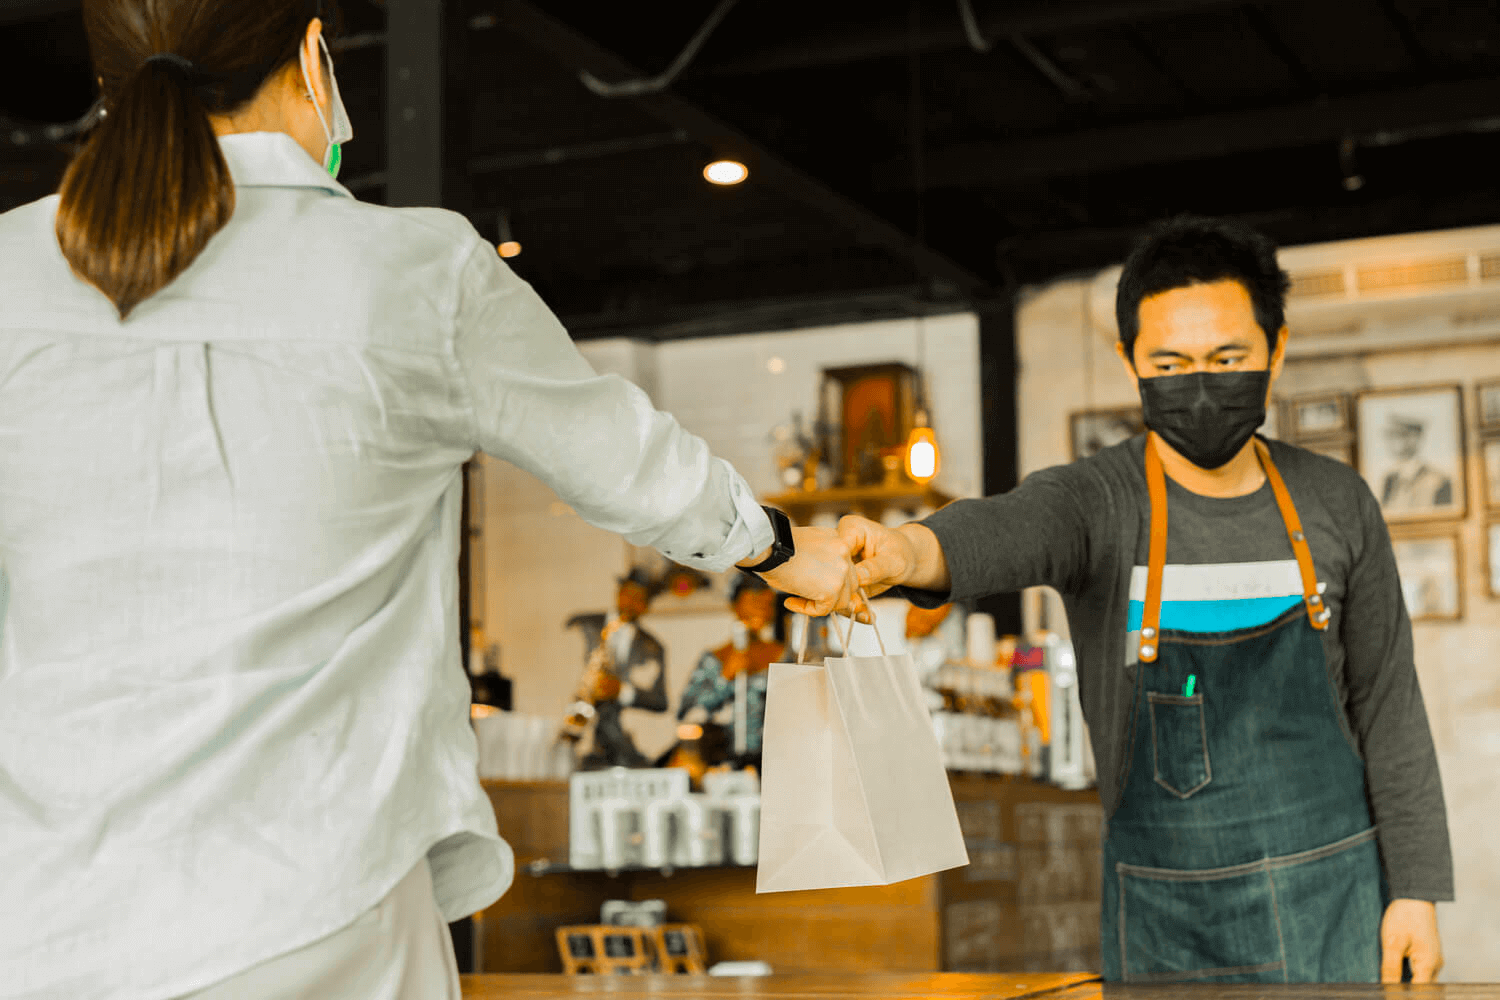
1431	570
1410	449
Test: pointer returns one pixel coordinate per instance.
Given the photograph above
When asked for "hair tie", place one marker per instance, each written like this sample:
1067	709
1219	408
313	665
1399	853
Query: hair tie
171	57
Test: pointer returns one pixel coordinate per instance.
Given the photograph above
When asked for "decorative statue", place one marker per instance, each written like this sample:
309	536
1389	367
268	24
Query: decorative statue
624	669
735	673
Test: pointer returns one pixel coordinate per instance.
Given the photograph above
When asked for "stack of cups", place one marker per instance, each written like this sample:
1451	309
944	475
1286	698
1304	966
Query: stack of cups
516	747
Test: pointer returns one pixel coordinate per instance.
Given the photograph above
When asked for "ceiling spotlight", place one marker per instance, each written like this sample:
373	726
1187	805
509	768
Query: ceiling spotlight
1353	179
725	172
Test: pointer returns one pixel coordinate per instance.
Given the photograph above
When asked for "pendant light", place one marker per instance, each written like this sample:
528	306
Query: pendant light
922	455
923	458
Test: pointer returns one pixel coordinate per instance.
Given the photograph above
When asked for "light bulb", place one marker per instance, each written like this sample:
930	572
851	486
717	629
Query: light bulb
922	454
725	172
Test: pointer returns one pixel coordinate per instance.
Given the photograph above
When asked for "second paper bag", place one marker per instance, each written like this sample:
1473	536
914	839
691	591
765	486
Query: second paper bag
853	788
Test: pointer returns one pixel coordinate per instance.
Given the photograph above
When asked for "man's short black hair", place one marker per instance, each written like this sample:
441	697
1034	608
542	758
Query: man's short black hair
1191	250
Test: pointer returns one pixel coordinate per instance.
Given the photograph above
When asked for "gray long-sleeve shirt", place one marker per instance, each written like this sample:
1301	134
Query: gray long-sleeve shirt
1084	530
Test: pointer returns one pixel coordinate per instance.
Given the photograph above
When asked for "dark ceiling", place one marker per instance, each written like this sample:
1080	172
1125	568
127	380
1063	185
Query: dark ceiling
899	160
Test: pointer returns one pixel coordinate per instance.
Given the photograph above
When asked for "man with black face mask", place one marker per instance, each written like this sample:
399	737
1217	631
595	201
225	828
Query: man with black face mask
1274	810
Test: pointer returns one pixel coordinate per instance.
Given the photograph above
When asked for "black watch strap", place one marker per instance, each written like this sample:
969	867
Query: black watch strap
782	548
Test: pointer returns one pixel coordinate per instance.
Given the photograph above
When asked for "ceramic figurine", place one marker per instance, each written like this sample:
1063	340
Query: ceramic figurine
625	669
734	675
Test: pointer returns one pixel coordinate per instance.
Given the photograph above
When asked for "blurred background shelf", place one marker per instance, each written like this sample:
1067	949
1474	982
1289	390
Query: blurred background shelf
1027	901
867	501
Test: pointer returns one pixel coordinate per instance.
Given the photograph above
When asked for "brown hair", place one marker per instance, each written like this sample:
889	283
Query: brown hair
150	187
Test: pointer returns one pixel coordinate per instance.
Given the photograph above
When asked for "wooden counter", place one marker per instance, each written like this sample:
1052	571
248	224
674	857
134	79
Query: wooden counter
1028	901
956	986
953	986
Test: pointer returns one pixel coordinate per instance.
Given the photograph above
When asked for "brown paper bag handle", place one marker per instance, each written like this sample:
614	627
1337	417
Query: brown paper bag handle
844	638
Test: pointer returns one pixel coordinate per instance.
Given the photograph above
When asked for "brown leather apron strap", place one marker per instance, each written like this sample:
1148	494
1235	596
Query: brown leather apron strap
1156	488
1317	613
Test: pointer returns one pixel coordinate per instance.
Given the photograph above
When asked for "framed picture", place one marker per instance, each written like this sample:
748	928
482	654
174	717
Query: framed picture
1272	427
1319	415
1491	451
1411	451
1338	449
1092	431
1431	572
874	407
1492	557
1488	394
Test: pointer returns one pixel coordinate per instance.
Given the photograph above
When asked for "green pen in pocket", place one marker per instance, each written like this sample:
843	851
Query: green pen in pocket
1187	689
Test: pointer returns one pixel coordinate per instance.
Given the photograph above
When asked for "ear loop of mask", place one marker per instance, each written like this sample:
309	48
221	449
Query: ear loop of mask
342	130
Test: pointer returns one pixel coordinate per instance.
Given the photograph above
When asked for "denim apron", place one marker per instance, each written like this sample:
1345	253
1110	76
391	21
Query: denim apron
1242	849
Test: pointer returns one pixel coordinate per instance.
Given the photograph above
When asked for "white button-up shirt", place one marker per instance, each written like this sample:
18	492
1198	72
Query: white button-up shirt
232	712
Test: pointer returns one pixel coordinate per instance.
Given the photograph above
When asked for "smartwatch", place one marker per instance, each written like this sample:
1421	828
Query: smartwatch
782	548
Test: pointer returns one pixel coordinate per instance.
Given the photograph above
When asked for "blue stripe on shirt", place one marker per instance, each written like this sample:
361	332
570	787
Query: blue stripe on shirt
1215	616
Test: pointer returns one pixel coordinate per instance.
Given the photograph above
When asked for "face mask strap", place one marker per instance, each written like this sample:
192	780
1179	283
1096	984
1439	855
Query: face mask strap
334	157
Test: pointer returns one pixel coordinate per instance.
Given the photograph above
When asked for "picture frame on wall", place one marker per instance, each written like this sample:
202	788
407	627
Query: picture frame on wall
1431	571
1490	450
1492	557
1410	449
1319	416
1487	397
1091	431
874	408
1272	427
1338	449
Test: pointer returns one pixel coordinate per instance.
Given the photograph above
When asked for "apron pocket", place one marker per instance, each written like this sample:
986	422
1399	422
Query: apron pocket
1183	925
1179	743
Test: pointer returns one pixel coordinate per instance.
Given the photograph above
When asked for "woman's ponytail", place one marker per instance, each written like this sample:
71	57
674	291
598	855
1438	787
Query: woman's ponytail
148	190
149	187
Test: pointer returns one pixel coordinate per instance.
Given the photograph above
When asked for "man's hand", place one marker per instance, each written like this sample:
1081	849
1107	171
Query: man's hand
887	558
820	576
1410	931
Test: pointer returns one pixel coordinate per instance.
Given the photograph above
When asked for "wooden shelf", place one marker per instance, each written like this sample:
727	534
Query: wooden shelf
869	501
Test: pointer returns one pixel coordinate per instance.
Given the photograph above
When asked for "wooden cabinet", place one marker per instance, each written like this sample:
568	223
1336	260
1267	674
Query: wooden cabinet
1028	900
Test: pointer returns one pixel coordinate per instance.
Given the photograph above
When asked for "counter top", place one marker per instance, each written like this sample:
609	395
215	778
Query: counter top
952	985
829	986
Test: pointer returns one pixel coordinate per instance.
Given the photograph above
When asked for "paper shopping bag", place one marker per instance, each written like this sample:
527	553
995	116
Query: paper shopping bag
853	788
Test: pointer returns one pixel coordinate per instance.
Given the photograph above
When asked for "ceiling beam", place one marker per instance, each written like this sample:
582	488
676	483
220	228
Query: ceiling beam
861	42
757	315
1378	118
575	51
21	11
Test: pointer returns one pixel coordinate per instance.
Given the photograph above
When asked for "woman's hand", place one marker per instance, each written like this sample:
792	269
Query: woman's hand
820	576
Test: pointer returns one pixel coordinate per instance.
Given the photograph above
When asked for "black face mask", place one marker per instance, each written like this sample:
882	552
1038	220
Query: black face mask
1206	416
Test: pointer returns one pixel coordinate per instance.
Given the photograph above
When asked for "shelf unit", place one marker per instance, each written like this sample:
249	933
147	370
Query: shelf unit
867	501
